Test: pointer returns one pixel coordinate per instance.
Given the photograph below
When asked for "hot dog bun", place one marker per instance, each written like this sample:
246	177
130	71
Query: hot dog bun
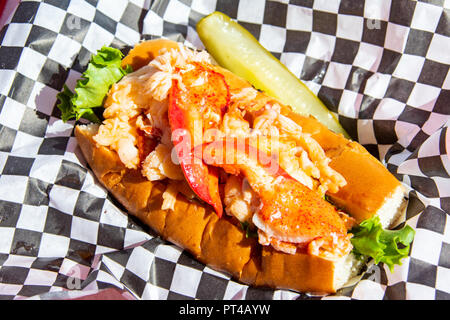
218	243
222	244
384	197
371	189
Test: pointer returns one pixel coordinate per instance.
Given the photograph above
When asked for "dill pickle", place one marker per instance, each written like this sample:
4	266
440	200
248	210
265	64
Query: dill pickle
235	49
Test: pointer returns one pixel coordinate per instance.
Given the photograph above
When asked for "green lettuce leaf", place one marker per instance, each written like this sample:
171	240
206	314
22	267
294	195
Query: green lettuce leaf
387	246
103	71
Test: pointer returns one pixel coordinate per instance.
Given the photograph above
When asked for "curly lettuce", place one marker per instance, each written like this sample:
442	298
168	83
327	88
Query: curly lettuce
387	246
103	71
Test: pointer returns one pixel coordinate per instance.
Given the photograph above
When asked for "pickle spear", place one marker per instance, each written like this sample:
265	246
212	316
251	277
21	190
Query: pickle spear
235	49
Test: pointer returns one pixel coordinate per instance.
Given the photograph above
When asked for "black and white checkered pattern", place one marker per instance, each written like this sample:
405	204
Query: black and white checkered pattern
381	66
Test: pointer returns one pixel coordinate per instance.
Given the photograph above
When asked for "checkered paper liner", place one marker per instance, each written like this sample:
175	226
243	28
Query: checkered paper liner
380	66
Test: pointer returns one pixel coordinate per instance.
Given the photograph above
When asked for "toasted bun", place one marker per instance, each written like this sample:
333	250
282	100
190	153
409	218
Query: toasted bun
371	189
146	51
215	242
220	243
